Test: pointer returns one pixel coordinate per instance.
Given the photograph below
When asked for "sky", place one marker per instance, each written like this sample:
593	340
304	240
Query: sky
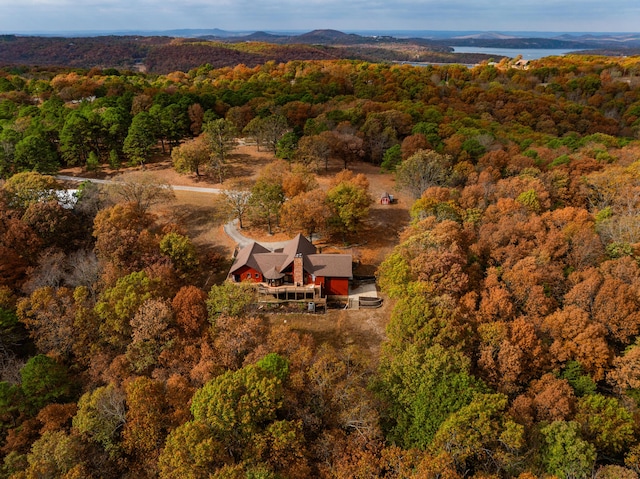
24	16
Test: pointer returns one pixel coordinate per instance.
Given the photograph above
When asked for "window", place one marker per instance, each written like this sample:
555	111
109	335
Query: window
248	275
257	275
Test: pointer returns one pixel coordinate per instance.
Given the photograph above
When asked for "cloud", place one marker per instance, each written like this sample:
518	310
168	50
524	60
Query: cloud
505	15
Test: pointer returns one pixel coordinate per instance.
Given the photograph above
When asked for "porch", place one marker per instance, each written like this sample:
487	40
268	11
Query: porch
311	293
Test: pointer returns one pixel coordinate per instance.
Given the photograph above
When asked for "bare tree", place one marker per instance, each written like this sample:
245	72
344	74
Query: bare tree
83	269
239	202
141	188
50	271
10	365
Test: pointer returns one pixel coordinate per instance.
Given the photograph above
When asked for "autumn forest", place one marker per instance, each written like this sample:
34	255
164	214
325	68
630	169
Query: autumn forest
512	343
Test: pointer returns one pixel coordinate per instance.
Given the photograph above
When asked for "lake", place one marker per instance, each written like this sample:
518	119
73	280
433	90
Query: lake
527	53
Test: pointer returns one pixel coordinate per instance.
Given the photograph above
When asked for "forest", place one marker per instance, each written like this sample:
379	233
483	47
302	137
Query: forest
513	340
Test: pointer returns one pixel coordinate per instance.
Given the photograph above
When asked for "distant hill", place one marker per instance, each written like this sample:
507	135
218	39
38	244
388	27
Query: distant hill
578	42
183	50
164	54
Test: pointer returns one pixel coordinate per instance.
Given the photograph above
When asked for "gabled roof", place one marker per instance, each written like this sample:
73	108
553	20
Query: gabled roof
267	261
246	256
272	264
273	273
331	265
298	245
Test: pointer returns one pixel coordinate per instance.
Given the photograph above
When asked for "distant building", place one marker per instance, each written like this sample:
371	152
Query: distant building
386	199
298	266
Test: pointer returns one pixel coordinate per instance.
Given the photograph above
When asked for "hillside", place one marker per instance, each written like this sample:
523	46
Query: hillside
161	55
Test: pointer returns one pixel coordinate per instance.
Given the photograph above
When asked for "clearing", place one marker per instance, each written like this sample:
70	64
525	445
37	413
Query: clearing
203	215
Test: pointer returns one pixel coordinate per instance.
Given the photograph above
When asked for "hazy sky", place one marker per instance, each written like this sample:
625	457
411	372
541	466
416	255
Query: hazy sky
274	15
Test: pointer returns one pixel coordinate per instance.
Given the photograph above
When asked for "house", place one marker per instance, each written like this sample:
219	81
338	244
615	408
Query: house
297	265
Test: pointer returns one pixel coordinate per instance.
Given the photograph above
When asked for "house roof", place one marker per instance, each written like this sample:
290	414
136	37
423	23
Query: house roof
267	261
273	273
246	256
272	264
331	265
298	245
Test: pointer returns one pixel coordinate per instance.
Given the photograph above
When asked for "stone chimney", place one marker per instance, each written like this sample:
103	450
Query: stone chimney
298	270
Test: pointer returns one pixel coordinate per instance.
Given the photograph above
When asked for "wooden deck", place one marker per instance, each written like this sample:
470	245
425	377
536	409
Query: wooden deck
290	293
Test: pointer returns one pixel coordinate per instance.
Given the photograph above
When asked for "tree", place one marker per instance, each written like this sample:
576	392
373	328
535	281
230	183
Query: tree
346	145
481	435
19	248
9	138
49	315
314	150
422	387
421	170
239	202
391	159
101	416
171	122
33	153
565	453
552	398
190	452
180	250
576	337
123	239
117	306
191	156
266	200
220	136
149	334
196	116
189	305
142	136
349	203
44	381
115	123
56	454
142	189
298	179
144	431
306	213
76	138
268	130
56	225
238	404
24	189
229	299
605	423
287	146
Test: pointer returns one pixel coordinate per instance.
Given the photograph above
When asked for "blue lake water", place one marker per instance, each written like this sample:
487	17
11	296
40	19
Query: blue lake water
527	53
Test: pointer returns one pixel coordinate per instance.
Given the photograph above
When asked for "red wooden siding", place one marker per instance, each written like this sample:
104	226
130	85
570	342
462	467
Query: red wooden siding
336	286
247	273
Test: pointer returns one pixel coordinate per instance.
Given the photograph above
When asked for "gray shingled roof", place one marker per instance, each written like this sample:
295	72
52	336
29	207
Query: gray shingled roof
273	273
267	261
272	264
246	257
299	244
331	265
